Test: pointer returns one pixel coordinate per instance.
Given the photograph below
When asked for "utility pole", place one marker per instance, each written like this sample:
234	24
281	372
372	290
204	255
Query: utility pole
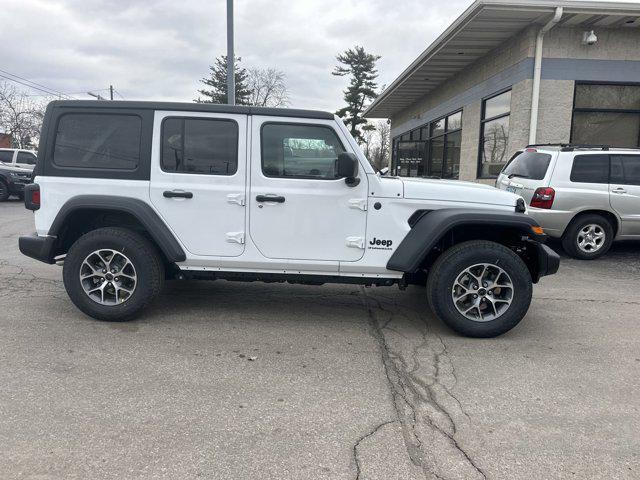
111	92
231	78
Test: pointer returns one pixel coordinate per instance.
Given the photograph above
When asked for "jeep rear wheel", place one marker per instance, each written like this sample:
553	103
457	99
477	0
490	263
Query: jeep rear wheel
479	288
112	273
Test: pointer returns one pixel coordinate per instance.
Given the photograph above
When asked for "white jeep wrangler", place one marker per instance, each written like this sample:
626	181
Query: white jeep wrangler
128	194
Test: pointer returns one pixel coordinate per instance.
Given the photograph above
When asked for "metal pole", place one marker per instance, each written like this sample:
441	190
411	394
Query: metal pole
231	79
537	73
111	91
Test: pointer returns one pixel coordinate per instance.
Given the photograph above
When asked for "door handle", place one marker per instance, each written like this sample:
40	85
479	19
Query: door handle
174	194
270	198
618	190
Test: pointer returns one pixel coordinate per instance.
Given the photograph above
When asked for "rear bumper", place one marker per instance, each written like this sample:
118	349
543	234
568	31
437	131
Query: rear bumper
40	248
548	261
554	222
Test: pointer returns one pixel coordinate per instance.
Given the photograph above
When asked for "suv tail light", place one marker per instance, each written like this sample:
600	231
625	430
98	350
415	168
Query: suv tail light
32	196
543	197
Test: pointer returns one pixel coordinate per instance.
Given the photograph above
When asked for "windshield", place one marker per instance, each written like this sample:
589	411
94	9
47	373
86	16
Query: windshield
531	165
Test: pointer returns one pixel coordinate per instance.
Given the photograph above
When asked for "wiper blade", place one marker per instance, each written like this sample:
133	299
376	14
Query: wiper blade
518	175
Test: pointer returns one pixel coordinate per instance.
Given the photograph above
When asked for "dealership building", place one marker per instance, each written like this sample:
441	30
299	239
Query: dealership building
507	74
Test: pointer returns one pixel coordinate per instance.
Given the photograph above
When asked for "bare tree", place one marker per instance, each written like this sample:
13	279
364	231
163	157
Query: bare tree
383	131
267	87
375	142
20	116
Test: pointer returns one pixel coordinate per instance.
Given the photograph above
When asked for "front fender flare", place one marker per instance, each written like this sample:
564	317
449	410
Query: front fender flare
431	227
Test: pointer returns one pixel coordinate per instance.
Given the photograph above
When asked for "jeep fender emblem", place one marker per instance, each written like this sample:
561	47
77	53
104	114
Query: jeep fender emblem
378	244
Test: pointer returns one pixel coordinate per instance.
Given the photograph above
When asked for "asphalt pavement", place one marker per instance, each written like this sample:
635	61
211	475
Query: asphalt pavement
223	380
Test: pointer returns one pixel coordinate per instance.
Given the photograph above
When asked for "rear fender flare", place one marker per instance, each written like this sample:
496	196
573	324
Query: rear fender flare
142	211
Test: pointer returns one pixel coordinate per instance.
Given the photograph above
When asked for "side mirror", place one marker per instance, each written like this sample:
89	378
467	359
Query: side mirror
347	168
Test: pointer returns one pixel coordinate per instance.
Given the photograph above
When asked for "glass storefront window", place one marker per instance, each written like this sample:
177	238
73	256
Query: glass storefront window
498	105
452	156
607	115
436	155
494	135
410	159
437	127
495	138
454	122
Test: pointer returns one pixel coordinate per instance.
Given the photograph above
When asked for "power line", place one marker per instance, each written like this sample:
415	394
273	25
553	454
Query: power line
31	84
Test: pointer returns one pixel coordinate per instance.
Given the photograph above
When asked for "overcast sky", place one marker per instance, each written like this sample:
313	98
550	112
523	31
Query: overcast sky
158	50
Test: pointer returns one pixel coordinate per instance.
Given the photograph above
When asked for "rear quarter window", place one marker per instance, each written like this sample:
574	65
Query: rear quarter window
98	140
590	169
531	165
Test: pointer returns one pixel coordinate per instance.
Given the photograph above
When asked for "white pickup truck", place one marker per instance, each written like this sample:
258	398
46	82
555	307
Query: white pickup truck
127	194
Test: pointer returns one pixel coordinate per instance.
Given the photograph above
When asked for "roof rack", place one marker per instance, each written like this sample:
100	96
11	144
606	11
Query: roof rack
569	147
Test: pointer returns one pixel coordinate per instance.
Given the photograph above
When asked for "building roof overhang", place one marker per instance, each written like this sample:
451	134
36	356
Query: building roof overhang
482	27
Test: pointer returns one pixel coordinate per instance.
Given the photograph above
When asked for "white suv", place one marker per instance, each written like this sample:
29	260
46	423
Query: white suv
128	194
16	157
586	195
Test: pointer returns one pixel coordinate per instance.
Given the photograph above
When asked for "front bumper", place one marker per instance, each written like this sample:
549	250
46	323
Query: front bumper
40	248
548	261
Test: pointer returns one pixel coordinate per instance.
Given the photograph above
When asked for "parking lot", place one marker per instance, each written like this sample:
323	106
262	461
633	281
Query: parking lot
261	381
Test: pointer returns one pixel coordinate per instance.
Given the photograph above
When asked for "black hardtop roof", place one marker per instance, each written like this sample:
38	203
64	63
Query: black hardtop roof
193	107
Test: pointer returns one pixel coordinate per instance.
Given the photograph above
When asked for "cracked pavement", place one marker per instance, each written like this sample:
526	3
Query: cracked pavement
231	380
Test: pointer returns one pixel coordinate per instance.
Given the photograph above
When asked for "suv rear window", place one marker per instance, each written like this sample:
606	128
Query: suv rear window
531	165
105	141
590	169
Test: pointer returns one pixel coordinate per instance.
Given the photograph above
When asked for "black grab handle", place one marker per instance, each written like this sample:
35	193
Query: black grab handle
170	194
269	198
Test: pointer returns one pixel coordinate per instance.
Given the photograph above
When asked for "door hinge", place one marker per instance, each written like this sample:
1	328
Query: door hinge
235	237
236	198
359	203
355	242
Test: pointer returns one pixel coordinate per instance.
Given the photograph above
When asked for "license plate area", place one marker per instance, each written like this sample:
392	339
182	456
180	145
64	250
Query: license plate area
512	189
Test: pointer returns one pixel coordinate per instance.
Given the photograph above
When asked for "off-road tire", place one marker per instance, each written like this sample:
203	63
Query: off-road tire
4	191
570	236
446	270
142	254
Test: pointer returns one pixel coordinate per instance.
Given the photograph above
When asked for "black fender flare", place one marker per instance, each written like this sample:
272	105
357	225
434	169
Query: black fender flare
142	211
432	226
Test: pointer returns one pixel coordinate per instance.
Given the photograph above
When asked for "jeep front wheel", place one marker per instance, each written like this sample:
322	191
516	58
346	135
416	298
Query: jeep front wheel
112	273
479	288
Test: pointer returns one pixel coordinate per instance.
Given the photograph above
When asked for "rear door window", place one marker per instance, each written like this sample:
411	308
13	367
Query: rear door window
590	169
200	146
6	156
104	141
531	165
625	169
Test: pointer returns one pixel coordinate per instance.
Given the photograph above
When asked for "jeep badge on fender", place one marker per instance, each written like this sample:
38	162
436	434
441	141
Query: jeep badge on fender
380	243
128	194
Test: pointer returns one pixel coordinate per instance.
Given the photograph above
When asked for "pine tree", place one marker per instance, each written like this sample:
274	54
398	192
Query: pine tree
361	67
218	83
